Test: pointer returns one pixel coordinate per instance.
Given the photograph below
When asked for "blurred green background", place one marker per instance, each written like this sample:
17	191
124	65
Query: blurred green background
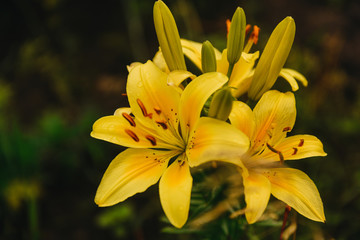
63	65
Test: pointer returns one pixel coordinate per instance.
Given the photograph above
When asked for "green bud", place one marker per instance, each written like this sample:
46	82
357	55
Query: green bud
221	104
236	36
168	37
208	59
273	58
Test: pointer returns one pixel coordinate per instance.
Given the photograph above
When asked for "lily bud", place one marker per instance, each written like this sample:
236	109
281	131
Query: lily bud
168	37
208	59
221	104
273	58
236	36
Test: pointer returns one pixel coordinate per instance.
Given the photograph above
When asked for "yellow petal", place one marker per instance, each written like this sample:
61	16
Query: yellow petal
153	102
274	114
257	193
213	139
297	147
176	77
132	65
194	97
175	192
240	78
131	172
273	58
242	118
159	61
222	63
291	76
297	190
192	50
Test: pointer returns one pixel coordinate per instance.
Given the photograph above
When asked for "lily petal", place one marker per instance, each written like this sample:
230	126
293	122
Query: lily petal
296	189
213	139
159	61
153	102
297	147
240	77
242	118
257	193
194	97
275	115
131	172
175	191
291	76
176	77
124	130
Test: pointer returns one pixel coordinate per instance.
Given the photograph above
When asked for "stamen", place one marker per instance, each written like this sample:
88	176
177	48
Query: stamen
301	143
143	109
162	124
132	135
286	129
281	156
157	110
295	151
124	94
255	34
151	139
129	119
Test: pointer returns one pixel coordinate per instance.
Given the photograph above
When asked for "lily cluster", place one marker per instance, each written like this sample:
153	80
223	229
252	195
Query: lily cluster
177	121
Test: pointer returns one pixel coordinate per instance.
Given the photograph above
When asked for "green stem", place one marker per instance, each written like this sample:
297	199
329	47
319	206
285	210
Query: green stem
230	69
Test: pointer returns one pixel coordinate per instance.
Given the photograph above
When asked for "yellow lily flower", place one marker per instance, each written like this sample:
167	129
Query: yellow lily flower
262	169
163	127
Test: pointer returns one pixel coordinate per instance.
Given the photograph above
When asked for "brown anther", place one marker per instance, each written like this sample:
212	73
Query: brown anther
295	151
129	119
157	110
281	156
143	109
247	29
162	124
132	135
301	143
255	34
151	139
286	129
124	94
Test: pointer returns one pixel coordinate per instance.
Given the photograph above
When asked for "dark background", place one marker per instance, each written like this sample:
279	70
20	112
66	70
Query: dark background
63	65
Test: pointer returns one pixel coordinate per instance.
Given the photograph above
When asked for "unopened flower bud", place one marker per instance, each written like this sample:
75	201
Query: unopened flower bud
208	59
168	37
221	104
236	36
273	58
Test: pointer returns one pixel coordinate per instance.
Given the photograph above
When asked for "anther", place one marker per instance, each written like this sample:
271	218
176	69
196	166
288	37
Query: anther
157	110
247	29
228	23
301	143
143	109
129	119
132	135
162	124
286	129
295	151
151	139
255	34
